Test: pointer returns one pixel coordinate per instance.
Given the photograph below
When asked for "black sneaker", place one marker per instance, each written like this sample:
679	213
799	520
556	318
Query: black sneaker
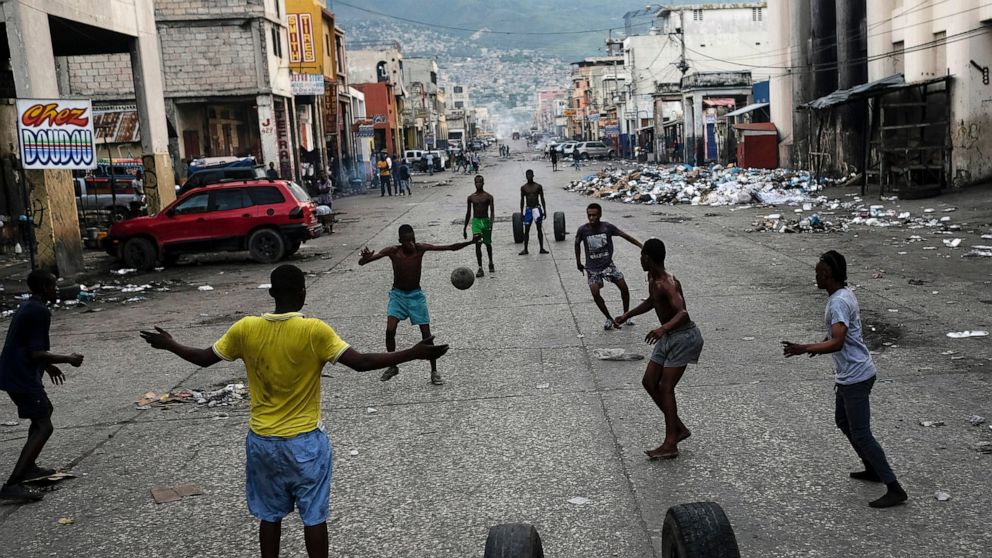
480	273
436	379
390	373
36	473
19	493
894	496
492	268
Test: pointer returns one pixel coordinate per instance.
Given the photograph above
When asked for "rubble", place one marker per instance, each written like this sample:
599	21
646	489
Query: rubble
713	186
231	394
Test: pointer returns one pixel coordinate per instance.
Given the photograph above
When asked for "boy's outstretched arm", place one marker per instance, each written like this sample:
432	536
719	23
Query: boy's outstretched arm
451	247
47	357
367	256
160	339
425	350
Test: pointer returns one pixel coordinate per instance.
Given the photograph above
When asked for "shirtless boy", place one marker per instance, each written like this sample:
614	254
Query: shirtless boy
406	300
677	343
482	209
533	208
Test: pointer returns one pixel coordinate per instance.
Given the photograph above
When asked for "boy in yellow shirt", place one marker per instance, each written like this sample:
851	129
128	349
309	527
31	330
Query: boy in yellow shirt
288	461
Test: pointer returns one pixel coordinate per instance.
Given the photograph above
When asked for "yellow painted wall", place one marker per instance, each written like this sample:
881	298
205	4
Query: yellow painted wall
304	24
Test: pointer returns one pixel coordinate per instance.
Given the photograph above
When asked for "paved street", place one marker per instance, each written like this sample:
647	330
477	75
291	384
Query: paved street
529	419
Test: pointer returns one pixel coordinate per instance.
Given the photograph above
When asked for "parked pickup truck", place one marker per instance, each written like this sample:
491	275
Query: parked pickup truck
123	203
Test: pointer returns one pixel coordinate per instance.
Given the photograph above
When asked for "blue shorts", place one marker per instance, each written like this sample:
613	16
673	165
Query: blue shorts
285	472
529	215
408	304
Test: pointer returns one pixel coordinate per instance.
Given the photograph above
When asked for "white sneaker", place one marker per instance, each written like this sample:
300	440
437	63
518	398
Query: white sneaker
630	322
608	325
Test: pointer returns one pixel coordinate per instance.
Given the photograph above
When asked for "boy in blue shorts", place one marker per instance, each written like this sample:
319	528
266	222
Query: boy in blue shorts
25	359
533	209
288	455
406	299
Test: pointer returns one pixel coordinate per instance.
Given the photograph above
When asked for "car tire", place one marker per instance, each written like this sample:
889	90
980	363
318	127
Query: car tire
513	540
293	247
266	246
518	228
609	154
118	214
698	530
559	218
585	156
139	253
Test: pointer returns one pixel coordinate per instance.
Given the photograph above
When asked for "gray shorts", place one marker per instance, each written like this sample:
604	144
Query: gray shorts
679	348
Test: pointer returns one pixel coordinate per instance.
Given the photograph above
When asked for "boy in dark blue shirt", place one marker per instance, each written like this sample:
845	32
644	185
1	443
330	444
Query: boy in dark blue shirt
23	362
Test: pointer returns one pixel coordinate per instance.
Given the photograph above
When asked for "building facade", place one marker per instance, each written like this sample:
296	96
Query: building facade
378	73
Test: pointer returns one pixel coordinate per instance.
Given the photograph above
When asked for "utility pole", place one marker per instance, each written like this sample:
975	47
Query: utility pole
682	65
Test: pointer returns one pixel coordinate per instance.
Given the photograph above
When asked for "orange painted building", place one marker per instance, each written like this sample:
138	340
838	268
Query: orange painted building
380	108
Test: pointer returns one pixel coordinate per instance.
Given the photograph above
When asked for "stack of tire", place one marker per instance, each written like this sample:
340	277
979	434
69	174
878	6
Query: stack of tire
559	221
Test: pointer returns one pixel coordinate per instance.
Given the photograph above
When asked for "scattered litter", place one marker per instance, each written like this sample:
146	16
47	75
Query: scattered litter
353	452
231	394
941	496
976	420
983	447
123	271
931	423
580	336
9	423
135	288
615	354
952	243
165	494
204	288
967	333
371	410
894	310
543	386
66	521
579	501
947	353
979	252
747	338
265	286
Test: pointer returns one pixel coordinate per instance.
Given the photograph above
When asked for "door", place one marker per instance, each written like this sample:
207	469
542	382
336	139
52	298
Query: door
191	143
711	151
185	225
230	217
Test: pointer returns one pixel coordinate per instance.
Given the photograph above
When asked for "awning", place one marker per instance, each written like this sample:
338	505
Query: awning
720	102
863	91
757	128
744	110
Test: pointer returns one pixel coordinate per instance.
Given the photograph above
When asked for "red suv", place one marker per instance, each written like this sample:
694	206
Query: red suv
269	218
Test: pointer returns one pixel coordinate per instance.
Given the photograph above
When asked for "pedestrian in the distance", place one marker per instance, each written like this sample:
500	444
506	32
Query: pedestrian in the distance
481	210
677	344
854	376
576	157
403	178
430	163
272	172
597	237
325	190
25	359
288	455
553	154
385	178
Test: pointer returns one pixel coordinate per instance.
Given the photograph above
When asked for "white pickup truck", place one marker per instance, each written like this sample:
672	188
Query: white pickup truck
123	203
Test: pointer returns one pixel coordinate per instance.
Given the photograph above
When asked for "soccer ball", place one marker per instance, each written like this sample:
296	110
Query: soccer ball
462	278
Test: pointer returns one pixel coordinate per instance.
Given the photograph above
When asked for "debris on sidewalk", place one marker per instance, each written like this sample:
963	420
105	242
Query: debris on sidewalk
165	494
615	354
9	423
66	521
204	288
967	333
976	420
231	394
579	500
941	496
931	423
983	447
979	252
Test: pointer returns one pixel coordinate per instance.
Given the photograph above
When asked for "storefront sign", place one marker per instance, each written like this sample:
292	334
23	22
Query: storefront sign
592	118
307	84
612	130
282	138
366	131
300	33
117	123
56	134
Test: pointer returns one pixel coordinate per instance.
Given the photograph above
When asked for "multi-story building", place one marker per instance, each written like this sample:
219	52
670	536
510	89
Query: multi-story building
225	66
594	82
378	73
423	112
459	115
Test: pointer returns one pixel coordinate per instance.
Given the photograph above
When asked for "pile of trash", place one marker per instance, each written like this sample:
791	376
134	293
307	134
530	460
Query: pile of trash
229	395
713	186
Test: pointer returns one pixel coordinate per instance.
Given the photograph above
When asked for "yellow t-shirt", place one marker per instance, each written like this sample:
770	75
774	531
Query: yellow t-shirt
284	354
383	168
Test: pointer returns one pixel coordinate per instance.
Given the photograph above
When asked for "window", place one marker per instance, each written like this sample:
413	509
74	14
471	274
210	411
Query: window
193	204
940	53
381	73
755	14
276	41
298	192
278	11
265	195
458	89
226	200
434	78
327	43
697	15
459	104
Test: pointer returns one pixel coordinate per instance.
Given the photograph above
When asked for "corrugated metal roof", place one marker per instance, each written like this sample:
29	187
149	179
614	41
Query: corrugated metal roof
841	96
747	109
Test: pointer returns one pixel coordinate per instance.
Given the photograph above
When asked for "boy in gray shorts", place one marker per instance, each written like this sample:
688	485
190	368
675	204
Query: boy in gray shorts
677	344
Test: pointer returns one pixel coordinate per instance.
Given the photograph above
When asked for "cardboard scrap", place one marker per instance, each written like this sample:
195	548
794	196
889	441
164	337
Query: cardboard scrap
165	494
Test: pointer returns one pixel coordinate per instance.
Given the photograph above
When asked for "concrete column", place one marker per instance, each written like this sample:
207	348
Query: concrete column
823	21
802	81
971	100
781	102
146	72
879	38
920	64
267	133
52	198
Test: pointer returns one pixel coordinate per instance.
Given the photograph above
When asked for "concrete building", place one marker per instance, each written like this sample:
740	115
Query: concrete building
594	82
917	83
423	114
225	66
44	38
686	38
459	114
378	72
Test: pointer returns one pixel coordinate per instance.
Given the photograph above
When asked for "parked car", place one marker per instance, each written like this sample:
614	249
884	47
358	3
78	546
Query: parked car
566	148
269	218
209	176
122	201
417	158
588	149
